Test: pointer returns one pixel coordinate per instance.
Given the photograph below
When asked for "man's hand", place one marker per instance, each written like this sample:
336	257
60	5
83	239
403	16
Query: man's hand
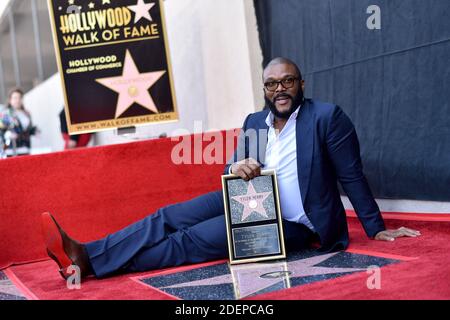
247	169
390	235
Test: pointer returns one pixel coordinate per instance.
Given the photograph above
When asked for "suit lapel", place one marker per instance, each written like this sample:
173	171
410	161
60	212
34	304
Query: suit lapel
305	146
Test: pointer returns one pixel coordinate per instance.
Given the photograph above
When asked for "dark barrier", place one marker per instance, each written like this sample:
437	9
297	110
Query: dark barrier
388	67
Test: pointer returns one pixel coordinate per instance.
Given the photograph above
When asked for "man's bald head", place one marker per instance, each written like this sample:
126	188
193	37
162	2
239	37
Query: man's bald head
281	60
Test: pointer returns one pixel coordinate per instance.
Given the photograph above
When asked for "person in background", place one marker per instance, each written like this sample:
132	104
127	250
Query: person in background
72	141
21	126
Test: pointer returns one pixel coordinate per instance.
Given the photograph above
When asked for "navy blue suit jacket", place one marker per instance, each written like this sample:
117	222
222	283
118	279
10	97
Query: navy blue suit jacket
327	152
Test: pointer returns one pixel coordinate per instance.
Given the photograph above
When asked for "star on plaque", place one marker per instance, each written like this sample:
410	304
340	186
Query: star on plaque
252	201
141	10
132	86
106	2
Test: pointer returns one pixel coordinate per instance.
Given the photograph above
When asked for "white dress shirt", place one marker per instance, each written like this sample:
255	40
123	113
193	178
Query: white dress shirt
281	155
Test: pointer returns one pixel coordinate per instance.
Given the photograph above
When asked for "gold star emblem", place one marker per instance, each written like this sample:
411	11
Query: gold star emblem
91	5
106	2
71	2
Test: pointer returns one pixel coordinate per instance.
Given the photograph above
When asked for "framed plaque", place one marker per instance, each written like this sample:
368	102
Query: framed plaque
114	62
253	218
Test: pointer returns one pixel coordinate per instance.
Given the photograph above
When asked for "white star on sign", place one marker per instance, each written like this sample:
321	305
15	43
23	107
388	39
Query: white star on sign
141	10
132	86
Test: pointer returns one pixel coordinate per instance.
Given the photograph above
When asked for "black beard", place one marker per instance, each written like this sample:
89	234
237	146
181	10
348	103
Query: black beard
296	102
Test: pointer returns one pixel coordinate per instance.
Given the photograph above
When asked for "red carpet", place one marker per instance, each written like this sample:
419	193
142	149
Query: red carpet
95	191
423	273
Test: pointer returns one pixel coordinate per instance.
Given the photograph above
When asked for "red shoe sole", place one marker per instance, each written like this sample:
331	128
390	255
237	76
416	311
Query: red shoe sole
54	243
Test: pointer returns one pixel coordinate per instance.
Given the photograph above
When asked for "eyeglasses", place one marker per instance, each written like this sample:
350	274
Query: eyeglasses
287	83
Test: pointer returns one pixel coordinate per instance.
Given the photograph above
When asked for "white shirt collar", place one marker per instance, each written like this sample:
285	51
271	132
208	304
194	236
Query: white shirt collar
270	117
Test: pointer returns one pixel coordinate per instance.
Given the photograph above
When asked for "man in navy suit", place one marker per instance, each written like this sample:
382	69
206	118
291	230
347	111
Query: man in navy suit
311	145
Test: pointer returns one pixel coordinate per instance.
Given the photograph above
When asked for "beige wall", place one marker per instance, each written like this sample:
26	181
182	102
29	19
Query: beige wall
216	60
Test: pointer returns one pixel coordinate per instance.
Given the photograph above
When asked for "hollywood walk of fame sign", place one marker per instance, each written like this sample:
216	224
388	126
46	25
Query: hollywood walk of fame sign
113	59
253	218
